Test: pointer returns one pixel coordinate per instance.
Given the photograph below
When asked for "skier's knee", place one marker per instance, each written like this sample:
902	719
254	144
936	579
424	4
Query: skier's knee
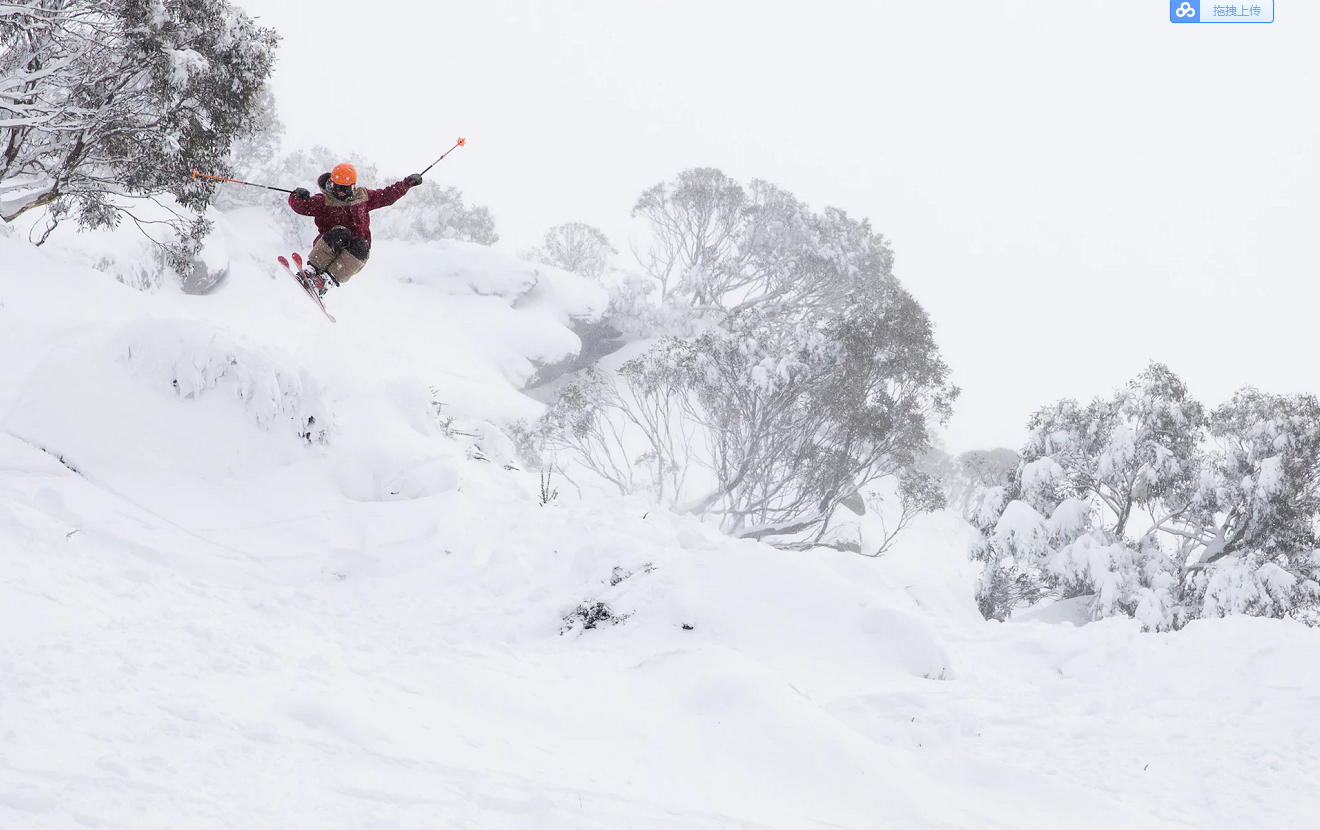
337	237
344	266
360	248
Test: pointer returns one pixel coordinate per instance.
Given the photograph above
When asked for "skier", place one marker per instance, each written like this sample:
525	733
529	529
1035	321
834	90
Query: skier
342	211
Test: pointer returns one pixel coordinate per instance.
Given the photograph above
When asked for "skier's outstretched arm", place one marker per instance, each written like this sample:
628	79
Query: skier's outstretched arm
304	203
389	195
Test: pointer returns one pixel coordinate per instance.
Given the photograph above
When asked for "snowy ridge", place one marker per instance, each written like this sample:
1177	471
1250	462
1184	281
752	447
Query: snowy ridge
258	569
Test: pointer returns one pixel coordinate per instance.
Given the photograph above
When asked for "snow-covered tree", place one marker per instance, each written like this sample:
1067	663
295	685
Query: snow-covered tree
969	478
785	419
629	430
1261	490
800	375
1129	451
105	101
1013	552
577	247
435	212
1256	511
718	248
256	158
1157	511
696	224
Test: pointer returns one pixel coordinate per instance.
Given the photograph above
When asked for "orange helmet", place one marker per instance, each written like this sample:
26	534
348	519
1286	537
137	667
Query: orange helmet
344	174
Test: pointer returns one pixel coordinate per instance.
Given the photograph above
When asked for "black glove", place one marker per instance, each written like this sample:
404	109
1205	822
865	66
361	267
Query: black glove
413	179
323	180
302	194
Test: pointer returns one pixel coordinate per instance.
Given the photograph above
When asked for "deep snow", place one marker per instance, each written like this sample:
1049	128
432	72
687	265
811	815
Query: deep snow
256	568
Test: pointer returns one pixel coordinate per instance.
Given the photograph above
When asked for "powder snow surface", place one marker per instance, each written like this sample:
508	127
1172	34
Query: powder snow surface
251	574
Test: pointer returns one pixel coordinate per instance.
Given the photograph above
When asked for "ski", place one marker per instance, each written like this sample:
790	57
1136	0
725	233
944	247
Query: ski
302	283
306	276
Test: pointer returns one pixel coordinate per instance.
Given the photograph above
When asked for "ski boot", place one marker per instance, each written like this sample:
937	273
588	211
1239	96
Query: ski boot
320	280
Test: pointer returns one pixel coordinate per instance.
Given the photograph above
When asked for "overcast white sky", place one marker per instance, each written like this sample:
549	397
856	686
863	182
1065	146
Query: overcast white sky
1072	189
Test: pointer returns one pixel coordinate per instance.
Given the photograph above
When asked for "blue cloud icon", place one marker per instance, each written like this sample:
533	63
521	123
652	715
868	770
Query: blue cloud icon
1184	11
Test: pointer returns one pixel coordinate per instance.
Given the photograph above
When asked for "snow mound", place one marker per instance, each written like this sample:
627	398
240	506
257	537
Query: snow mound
168	410
566	297
195	357
1074	611
393	453
464	268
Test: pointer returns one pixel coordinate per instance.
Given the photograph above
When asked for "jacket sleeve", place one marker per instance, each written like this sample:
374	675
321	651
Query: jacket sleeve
307	207
386	195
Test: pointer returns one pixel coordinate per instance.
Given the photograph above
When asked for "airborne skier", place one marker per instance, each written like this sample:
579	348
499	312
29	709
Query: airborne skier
342	211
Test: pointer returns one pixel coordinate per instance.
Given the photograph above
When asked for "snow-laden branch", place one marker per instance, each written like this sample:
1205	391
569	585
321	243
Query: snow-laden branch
99	100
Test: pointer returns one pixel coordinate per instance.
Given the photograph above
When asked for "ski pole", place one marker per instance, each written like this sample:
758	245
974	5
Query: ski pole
197	175
460	143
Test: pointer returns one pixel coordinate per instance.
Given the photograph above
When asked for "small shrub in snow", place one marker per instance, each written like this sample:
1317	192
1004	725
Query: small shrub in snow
590	614
528	442
619	574
548	492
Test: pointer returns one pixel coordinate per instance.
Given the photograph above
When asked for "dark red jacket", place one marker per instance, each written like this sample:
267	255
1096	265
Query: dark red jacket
354	214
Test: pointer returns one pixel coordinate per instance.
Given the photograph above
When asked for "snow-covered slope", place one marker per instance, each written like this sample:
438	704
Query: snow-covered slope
256	568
